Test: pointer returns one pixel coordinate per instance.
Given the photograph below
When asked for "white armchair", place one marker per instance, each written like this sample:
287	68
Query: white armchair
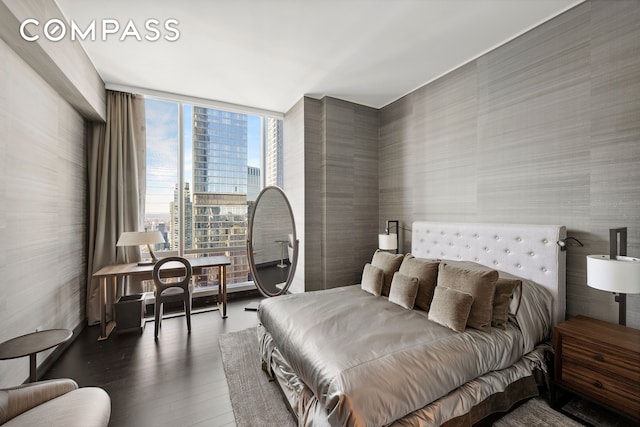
54	403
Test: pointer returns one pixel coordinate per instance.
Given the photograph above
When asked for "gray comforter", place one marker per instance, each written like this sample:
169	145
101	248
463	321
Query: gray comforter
370	362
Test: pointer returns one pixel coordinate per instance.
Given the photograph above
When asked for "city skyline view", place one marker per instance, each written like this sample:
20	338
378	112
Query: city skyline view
222	174
162	127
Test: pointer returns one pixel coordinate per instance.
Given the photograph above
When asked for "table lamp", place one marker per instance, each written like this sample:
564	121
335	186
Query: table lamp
615	273
389	241
137	238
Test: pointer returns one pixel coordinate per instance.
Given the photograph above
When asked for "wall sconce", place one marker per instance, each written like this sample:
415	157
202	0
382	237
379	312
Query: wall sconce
137	238
563	243
615	272
389	241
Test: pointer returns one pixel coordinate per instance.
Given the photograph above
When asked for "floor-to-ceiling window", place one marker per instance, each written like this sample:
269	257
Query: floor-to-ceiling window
205	168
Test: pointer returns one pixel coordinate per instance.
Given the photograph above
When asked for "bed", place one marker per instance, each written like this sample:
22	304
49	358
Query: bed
345	357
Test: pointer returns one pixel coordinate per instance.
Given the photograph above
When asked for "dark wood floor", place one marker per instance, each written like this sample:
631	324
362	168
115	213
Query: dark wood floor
177	381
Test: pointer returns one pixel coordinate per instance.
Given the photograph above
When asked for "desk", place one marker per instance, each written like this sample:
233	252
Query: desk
31	344
144	272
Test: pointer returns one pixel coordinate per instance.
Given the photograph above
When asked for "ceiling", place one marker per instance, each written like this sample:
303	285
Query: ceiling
268	54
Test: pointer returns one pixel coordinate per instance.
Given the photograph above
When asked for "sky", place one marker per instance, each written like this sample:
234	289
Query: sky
162	151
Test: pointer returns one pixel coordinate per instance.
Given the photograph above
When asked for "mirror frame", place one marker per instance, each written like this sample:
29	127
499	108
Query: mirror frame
250	253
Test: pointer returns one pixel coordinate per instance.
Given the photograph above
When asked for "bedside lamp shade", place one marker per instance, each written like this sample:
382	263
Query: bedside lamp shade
388	242
621	274
615	272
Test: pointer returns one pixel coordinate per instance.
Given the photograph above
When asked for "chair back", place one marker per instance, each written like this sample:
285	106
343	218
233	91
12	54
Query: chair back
184	283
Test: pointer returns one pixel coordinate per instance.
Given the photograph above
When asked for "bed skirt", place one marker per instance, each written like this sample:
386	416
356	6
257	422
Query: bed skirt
493	392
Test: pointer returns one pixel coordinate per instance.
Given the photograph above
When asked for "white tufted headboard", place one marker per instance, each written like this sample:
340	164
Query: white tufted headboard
524	250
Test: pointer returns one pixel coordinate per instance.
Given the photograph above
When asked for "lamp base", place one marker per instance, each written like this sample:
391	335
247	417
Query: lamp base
146	262
621	299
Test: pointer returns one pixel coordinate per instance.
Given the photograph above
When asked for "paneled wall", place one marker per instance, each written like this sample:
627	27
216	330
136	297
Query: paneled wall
544	129
312	178
349	168
330	177
42	209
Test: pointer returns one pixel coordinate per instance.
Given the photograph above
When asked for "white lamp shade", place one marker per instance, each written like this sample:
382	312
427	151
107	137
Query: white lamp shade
388	242
136	238
620	275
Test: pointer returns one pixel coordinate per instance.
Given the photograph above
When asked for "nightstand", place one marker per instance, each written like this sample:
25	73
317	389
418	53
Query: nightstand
599	361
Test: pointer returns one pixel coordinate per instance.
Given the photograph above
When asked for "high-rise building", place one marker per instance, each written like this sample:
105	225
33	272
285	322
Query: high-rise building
220	145
253	188
253	183
162	228
273	174
174	220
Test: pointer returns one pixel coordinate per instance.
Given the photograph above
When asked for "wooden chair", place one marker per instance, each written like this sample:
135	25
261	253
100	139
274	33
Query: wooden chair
172	291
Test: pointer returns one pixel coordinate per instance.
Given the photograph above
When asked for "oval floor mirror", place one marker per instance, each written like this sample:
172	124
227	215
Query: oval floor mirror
272	244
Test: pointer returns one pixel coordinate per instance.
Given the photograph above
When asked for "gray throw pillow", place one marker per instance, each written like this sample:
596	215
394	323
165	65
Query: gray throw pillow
501	300
403	290
480	284
372	279
389	263
450	308
426	270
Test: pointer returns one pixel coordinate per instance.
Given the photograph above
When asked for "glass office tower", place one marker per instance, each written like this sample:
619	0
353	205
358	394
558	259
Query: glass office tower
220	186
274	151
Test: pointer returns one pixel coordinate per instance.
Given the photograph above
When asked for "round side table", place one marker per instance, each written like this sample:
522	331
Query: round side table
31	344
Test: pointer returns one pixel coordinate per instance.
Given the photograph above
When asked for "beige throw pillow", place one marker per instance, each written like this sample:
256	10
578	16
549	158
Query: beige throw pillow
501	300
450	308
372	279
403	290
426	271
389	263
478	283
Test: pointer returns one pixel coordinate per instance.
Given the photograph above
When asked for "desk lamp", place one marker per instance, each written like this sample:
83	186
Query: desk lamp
137	238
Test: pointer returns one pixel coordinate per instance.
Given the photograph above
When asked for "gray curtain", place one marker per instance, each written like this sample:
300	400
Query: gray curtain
116	185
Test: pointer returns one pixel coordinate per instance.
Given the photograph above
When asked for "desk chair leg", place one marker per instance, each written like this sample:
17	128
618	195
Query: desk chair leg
187	309
158	317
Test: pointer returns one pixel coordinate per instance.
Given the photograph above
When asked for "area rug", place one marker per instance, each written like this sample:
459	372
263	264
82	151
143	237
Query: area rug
256	401
535	412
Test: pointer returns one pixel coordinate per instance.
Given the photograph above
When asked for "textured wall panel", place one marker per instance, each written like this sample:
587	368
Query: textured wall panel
615	135
313	129
42	219
338	188
350	190
533	124
544	129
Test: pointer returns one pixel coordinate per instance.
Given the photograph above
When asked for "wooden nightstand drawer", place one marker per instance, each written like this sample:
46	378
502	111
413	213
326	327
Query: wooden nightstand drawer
601	361
611	359
620	393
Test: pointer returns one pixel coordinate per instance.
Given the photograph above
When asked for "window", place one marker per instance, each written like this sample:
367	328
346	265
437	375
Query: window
204	171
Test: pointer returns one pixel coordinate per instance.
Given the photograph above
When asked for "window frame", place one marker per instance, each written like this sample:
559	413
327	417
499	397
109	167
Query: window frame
194	102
